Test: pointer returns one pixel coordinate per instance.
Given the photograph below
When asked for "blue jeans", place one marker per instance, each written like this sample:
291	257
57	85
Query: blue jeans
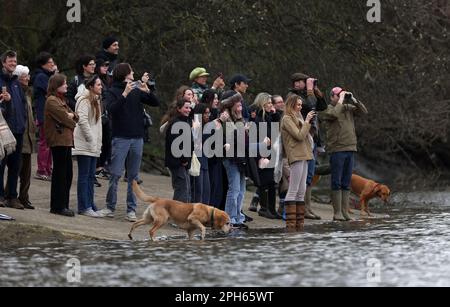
86	178
341	170
201	188
121	149
236	192
312	168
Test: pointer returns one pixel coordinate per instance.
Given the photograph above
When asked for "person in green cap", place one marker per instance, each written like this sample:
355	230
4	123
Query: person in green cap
199	77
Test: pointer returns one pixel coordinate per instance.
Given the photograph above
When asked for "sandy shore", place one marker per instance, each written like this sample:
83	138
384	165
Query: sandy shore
39	225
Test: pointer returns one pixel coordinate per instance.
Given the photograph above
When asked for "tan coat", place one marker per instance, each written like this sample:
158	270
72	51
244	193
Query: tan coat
340	126
29	137
58	126
297	140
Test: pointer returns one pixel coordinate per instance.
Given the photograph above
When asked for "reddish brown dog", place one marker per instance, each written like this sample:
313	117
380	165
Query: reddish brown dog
367	189
190	217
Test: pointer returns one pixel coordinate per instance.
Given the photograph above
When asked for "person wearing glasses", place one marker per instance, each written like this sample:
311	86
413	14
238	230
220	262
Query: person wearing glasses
85	68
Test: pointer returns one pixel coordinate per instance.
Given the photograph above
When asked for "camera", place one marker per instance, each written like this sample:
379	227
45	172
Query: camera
316	82
349	96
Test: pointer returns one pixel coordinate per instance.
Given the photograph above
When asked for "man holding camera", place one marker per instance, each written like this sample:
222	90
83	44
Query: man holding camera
14	107
342	145
314	100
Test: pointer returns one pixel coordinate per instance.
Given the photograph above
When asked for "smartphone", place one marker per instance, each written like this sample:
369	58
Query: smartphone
136	84
4	89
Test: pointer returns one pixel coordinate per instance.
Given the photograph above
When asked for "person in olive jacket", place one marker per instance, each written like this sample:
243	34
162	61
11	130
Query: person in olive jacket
59	124
342	145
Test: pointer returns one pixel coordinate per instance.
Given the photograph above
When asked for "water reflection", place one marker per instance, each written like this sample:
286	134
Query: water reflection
413	248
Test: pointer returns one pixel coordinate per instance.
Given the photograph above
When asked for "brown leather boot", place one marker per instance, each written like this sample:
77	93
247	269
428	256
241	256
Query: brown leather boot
300	223
291	216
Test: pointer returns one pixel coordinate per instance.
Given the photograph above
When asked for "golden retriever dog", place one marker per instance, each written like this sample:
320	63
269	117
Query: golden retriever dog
367	189
190	217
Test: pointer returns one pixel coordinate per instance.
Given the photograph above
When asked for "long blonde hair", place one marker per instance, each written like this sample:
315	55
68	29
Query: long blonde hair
291	104
261	100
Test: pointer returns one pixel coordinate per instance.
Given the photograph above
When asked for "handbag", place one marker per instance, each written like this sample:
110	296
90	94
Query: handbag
195	166
148	121
7	140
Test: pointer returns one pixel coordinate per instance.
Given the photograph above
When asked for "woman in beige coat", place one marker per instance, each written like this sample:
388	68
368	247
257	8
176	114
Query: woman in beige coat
298	148
88	143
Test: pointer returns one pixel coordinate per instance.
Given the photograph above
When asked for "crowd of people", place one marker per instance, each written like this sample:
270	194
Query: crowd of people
223	177
99	118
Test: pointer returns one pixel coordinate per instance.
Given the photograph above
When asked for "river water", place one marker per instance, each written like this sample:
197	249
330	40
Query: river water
410	248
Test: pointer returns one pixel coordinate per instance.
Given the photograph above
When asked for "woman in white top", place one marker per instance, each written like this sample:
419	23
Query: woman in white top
88	143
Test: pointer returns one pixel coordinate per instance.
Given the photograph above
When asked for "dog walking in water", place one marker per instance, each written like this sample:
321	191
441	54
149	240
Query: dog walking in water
190	217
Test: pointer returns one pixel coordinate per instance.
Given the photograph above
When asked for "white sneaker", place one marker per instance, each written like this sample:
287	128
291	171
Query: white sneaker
105	213
131	217
91	213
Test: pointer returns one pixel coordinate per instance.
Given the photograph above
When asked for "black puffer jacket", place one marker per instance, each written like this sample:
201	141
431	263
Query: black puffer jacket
266	176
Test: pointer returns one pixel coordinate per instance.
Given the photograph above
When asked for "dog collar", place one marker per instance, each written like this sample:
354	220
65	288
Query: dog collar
376	187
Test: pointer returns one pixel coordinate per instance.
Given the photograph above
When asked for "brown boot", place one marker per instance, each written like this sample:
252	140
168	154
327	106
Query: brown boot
336	198
300	225
15	204
346	205
309	214
291	216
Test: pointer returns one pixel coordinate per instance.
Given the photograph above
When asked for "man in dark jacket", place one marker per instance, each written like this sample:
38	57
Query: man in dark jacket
110	53
125	101
313	100
15	110
46	69
240	83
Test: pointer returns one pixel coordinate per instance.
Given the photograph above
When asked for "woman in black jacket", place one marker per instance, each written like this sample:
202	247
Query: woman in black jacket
266	113
179	162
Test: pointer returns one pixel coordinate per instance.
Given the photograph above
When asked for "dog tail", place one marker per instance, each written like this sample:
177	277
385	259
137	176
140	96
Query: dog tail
141	195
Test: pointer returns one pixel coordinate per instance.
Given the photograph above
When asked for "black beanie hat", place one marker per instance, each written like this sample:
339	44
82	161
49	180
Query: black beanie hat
109	41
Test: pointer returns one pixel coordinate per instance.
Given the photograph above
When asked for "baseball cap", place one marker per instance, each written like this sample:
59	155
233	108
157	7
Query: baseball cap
239	78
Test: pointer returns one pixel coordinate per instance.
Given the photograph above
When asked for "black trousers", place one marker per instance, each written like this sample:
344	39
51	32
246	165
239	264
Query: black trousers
25	178
61	178
105	157
13	163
